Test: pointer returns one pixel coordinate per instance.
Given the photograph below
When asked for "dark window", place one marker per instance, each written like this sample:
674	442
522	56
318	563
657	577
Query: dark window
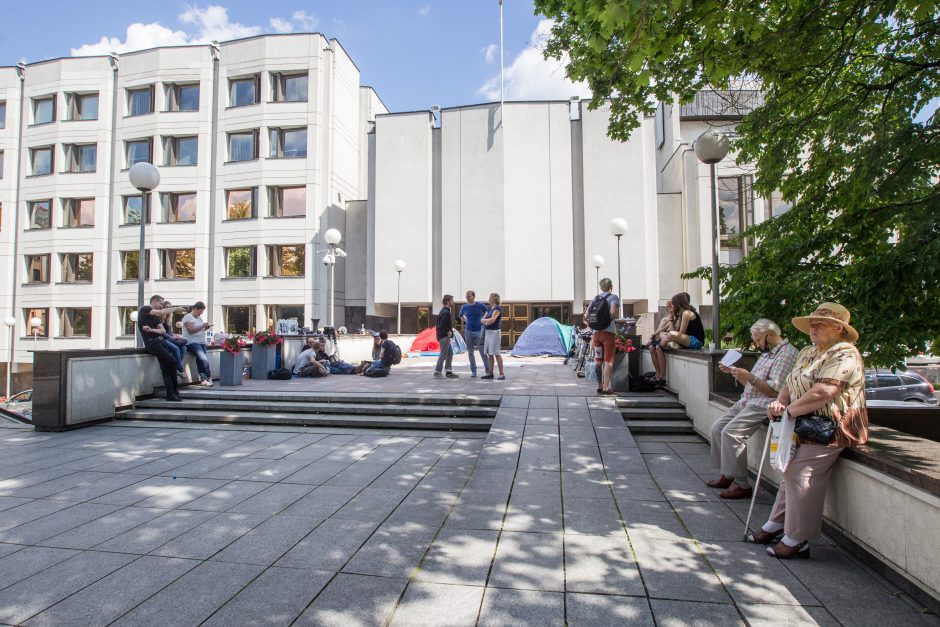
178	263
179	206
37	268
182	97
239	319
77	267
81	157
78	212
83	106
241	261
43	160
75	322
44	110
3	115
140	101
128	326
43	315
888	380
129	265
132	208
910	379
244	91
139	150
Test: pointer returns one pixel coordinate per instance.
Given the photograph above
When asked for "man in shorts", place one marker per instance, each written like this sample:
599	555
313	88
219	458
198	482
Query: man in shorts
604	341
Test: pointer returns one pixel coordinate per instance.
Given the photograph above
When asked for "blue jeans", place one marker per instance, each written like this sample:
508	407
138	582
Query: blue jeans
341	367
377	369
202	361
445	359
177	351
475	342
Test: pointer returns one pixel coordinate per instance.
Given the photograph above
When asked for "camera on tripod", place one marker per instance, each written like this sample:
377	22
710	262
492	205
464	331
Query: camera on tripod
329	333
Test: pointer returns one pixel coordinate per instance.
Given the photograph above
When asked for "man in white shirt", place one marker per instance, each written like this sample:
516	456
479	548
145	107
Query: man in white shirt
194	332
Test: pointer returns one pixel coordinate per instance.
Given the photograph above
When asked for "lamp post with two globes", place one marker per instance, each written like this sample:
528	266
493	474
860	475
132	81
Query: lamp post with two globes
145	178
618	227
10	322
711	147
399	268
332	237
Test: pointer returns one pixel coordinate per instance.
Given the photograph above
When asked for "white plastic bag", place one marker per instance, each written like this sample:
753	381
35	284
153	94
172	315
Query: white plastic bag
782	442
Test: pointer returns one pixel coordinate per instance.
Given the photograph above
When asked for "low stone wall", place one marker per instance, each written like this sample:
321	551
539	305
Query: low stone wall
883	498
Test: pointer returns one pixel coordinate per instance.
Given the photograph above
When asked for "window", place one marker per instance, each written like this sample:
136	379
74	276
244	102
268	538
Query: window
140	101
888	380
39	214
182	97
81	157
179	206
44	110
128	326
244	91
180	150
288	142
132	209
736	213
78	212
75	322
43	314
241	204
1	162
289	87
77	267
287	201
239	319
139	150
243	146
274	313
129	265
241	262
83	106
178	264
3	114
42	160
37	268
776	206
286	260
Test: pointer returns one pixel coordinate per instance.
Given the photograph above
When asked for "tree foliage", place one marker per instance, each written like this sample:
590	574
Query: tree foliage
844	132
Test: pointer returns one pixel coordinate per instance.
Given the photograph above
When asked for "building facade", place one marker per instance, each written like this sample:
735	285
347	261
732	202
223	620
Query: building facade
260	144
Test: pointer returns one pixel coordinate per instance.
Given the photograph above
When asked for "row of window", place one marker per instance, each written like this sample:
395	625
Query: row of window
76	321
240	204
178	263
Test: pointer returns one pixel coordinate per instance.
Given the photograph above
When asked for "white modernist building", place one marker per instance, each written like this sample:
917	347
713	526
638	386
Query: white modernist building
260	144
265	143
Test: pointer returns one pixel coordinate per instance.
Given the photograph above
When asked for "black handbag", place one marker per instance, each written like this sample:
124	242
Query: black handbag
818	429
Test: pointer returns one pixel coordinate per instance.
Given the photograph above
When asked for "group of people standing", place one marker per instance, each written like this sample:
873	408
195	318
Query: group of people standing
482	332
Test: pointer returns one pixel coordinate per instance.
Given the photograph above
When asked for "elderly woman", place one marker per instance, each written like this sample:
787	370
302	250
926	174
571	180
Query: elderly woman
828	381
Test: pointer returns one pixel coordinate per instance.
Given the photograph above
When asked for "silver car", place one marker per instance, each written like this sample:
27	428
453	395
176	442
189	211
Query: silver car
21	404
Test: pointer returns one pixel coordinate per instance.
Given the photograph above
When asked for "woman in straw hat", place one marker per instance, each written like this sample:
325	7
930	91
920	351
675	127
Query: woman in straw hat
827	380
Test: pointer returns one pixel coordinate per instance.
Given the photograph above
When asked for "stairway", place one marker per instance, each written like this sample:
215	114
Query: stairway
656	413
378	411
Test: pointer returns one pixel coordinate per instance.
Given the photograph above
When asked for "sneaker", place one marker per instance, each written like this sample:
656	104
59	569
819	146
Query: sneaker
438	375
488	375
501	377
473	375
183	377
206	383
451	375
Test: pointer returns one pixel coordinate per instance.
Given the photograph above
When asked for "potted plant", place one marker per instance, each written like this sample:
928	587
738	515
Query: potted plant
231	361
620	377
264	353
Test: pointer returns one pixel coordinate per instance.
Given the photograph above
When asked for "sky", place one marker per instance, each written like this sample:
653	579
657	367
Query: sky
415	53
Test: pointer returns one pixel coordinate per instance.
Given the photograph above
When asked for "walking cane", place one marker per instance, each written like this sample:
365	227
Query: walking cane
760	471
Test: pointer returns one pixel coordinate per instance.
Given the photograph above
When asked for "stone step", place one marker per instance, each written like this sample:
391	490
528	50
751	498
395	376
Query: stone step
647	400
307	420
196	402
653	413
647	427
471	400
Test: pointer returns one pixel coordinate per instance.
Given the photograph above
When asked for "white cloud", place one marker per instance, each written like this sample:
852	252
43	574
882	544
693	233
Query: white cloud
199	26
489	53
531	77
424	10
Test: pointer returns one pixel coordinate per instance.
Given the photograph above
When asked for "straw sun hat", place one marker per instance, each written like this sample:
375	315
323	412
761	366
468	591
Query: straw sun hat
830	312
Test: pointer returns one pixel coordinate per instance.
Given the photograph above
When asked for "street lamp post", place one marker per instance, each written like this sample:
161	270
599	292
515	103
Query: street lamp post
711	147
332	237
619	227
10	322
145	178
598	261
35	323
399	267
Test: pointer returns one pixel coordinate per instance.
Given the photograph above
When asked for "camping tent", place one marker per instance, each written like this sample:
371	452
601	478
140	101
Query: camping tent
545	336
426	343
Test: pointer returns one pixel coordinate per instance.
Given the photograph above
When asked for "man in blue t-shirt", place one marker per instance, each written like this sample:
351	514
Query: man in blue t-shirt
472	314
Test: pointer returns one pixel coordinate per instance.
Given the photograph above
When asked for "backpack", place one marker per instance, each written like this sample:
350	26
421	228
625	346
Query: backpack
394	356
643	383
281	374
598	315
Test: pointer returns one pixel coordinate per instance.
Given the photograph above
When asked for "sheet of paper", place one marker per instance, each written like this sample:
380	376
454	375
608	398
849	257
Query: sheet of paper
731	357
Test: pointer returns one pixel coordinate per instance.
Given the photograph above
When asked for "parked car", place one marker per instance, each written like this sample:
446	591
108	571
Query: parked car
21	404
898	386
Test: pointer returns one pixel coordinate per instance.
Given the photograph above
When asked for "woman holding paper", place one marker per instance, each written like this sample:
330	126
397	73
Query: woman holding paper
828	383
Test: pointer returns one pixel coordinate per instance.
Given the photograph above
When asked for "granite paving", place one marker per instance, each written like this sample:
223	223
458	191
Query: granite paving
557	516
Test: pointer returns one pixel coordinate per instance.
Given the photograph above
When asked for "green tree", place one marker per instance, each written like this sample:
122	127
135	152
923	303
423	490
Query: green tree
845	131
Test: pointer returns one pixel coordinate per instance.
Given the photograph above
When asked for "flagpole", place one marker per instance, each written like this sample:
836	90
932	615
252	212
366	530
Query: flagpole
501	87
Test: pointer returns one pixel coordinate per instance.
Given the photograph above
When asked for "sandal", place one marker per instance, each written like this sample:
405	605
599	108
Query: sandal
785	552
765	537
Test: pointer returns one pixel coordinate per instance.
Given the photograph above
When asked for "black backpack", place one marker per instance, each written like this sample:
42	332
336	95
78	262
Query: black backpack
394	356
643	383
598	315
282	374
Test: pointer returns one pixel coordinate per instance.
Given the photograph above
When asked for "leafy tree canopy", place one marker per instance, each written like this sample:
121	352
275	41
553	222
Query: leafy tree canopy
843	83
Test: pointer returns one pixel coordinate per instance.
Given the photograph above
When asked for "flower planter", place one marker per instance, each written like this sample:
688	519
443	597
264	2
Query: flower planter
263	360
625	364
231	366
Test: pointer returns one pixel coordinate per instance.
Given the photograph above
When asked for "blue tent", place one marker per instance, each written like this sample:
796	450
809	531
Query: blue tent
545	336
